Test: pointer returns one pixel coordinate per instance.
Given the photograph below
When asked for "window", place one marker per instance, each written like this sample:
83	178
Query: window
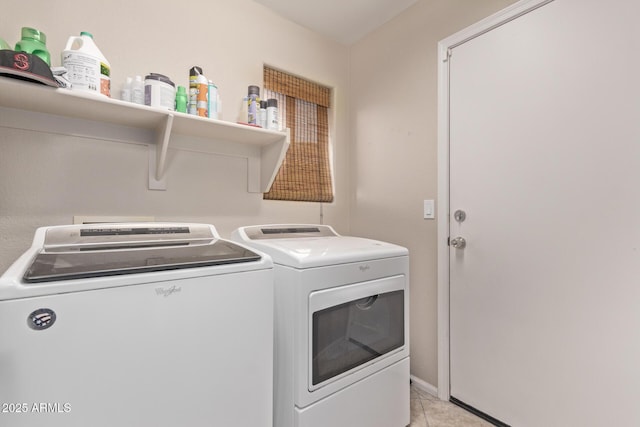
305	174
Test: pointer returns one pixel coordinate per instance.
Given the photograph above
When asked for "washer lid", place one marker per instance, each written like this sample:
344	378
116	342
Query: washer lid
306	246
76	252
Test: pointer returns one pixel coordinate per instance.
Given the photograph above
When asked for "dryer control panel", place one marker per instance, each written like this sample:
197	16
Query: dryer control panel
261	232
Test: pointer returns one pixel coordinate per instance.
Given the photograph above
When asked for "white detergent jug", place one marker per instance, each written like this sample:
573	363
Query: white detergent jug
87	68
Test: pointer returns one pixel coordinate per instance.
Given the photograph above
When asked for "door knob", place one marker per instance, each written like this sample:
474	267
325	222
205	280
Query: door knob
460	215
458	243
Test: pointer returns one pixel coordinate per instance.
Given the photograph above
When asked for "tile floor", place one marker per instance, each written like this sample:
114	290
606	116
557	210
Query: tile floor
429	411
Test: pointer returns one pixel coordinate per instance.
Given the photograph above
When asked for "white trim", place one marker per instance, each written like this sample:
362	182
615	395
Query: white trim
445	48
424	386
443	221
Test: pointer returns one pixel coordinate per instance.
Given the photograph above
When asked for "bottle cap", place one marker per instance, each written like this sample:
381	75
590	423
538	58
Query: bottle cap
86	33
182	90
254	90
272	102
159	77
32	33
195	70
263	104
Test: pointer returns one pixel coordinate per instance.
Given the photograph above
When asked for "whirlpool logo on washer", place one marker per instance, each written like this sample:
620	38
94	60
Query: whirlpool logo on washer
41	319
168	291
364	268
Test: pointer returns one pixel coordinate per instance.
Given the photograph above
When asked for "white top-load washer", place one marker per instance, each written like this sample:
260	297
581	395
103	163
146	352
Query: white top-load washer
341	327
134	325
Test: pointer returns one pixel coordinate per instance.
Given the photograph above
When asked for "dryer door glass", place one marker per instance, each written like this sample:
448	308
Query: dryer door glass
351	334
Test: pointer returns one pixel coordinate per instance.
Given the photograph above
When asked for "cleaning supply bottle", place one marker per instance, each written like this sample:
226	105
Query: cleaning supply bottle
159	92
253	104
272	114
88	69
202	104
181	99
35	42
212	99
198	90
137	90
262	116
125	94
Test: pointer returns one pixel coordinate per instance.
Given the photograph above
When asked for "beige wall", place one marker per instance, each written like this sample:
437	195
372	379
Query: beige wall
393	81
384	138
45	179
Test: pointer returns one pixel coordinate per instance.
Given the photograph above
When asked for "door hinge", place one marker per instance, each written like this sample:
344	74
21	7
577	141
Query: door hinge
449	53
448	241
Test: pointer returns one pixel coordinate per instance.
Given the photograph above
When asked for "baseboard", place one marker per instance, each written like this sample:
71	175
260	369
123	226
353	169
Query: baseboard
478	413
424	386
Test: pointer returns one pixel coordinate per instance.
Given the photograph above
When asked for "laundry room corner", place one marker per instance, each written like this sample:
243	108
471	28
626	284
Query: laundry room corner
393	75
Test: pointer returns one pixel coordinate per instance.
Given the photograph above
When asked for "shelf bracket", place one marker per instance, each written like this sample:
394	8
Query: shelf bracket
269	163
158	155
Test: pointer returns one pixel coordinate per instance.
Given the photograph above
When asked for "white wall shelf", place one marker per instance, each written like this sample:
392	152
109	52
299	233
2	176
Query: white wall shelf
32	106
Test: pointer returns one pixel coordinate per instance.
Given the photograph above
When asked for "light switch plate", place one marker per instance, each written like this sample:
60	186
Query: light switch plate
429	209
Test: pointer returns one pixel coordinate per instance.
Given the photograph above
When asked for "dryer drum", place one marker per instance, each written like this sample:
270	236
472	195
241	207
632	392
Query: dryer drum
366	303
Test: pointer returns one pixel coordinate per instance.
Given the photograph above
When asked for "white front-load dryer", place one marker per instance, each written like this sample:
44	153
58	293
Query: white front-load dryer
341	327
136	325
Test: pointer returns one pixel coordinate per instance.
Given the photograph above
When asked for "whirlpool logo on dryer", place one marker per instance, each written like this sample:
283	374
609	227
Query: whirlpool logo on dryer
168	291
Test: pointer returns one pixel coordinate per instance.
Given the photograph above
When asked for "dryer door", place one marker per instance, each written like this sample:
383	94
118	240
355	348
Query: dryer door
354	326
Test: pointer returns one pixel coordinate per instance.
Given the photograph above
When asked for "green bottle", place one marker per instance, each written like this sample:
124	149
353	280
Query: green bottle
181	99
34	41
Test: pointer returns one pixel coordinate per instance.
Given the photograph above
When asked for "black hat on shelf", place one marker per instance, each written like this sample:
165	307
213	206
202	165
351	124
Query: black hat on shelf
25	66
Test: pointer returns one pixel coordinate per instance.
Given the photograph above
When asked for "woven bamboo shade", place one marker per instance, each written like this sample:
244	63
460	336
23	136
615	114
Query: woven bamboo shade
305	90
305	174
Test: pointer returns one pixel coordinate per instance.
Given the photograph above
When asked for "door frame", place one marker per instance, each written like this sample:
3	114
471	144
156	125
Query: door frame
445	48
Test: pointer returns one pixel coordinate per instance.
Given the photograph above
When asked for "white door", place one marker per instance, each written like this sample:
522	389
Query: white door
545	162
